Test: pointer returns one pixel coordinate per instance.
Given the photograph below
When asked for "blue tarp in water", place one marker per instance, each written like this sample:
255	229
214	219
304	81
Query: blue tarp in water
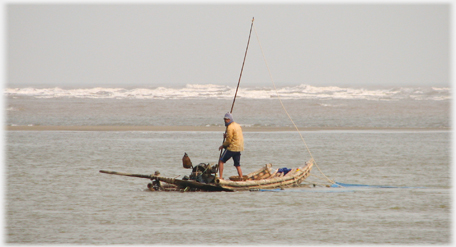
339	188
325	190
338	185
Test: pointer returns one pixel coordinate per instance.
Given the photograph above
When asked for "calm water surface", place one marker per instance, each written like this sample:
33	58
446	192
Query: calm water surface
55	194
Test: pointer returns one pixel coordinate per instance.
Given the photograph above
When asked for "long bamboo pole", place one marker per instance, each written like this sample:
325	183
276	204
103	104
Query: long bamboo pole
242	68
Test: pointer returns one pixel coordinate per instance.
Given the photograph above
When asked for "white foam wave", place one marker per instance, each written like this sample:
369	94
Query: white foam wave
198	91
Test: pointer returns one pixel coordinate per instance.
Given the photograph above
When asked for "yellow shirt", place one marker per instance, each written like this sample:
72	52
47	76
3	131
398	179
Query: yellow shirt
234	139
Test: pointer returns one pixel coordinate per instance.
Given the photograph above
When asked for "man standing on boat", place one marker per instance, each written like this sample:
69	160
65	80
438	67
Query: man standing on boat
233	145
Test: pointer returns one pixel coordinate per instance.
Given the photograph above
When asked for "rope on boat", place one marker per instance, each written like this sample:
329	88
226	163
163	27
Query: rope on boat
278	96
320	177
315	183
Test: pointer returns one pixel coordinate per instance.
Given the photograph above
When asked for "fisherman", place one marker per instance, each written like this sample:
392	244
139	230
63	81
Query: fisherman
233	145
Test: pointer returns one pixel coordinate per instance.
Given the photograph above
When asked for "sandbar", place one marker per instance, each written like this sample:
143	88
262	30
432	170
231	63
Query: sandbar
202	128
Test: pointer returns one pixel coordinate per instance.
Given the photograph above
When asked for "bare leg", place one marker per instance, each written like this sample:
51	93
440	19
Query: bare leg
221	169
239	170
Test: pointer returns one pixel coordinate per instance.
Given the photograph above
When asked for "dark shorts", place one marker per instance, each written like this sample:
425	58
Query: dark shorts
229	154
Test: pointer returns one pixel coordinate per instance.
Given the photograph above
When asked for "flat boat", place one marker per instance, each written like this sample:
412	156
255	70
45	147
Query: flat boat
204	178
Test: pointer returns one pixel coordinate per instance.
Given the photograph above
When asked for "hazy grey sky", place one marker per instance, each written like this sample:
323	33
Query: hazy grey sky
173	45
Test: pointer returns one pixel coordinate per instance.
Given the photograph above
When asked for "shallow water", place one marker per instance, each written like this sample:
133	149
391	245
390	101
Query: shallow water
55	193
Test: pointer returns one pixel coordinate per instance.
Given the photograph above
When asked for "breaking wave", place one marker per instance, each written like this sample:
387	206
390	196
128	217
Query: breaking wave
198	91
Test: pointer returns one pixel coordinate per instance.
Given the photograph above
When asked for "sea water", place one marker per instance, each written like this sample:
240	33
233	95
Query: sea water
203	105
54	193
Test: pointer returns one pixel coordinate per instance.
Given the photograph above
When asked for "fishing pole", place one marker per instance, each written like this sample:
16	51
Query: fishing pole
239	82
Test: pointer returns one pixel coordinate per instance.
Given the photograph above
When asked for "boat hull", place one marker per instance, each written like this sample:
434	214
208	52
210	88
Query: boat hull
263	178
291	179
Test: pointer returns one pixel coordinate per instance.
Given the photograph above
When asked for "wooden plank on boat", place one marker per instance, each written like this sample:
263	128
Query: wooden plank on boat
178	182
261	173
194	184
237	178
127	174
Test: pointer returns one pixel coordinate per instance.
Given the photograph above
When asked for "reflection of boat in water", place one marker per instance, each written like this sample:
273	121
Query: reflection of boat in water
203	178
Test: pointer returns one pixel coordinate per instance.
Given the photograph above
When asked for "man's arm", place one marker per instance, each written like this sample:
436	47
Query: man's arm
229	137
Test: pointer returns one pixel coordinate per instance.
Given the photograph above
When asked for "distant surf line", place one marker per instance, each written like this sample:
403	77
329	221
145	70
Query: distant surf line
208	91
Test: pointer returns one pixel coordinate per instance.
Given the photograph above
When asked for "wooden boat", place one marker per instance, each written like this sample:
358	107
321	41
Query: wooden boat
203	178
266	179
